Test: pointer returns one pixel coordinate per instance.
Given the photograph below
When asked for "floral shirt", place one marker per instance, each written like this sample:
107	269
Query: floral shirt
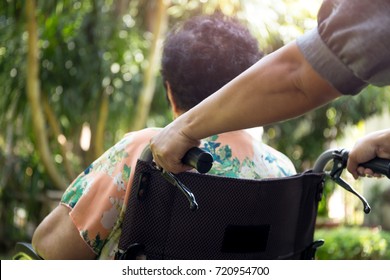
97	197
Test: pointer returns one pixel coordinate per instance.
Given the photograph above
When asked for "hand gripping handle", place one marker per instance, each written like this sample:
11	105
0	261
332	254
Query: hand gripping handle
195	157
378	165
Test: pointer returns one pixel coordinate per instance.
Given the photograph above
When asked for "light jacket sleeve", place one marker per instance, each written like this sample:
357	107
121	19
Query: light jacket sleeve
350	47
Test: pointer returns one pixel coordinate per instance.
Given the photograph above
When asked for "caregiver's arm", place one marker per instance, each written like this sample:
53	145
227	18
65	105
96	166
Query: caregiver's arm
280	86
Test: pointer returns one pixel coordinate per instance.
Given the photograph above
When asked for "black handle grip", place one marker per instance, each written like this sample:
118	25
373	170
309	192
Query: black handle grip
198	159
378	165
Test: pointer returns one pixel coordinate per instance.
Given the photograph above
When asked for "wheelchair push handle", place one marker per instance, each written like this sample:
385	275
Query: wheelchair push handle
198	159
195	157
339	158
378	165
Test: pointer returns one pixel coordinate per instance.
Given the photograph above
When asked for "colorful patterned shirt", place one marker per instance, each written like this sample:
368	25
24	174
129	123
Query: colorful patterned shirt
97	197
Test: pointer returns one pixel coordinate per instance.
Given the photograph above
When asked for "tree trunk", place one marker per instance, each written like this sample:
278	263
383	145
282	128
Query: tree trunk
101	125
98	127
149	81
55	126
34	99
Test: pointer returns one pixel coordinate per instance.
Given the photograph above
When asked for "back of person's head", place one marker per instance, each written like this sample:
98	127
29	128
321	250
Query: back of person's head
203	54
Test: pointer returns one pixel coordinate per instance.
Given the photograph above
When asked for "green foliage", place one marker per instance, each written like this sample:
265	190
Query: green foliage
87	50
353	243
323	204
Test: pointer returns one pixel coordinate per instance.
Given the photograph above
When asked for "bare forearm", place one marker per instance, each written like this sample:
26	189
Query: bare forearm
279	87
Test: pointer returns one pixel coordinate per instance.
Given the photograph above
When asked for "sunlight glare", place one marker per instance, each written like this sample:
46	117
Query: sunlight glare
336	205
85	138
265	16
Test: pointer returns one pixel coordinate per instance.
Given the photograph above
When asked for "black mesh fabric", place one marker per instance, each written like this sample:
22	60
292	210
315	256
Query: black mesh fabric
231	213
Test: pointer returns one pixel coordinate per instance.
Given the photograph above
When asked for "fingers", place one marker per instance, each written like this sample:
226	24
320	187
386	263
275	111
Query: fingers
169	147
352	167
367	172
354	159
376	144
363	151
171	163
359	171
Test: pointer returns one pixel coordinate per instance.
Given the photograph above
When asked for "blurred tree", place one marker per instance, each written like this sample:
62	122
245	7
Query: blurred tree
34	97
305	137
277	22
73	75
159	25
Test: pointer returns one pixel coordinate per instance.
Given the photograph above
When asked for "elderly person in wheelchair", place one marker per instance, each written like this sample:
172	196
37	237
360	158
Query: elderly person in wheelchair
200	56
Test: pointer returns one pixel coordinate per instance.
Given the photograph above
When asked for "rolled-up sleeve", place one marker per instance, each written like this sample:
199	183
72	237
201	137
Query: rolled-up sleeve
351	45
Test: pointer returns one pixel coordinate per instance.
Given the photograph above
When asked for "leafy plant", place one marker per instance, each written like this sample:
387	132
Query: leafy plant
353	243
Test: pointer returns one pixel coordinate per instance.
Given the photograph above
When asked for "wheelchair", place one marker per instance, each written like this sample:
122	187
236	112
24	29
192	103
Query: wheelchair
194	215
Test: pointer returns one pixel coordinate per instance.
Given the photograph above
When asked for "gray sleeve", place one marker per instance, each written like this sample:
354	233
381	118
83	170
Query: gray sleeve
351	45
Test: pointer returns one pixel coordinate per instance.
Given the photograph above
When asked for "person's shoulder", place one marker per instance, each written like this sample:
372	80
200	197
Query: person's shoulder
275	152
282	158
135	141
146	132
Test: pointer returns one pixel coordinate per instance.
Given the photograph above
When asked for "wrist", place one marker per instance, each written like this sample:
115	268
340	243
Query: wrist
189	127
